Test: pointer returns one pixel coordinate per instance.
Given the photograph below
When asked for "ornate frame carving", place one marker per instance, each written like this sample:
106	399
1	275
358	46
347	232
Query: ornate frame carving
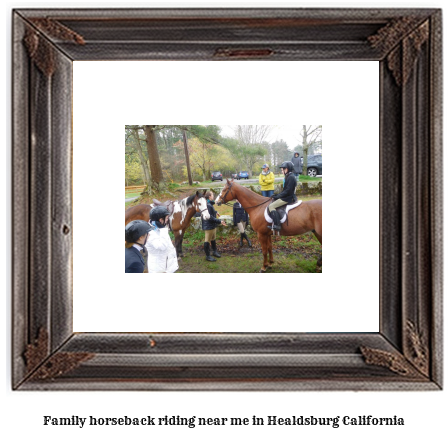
406	354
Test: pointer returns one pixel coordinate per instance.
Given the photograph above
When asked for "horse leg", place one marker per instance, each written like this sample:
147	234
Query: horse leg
181	251
318	234
263	238
271	255
178	243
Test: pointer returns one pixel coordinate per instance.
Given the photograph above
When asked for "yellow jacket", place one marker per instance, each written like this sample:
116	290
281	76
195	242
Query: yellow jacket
266	181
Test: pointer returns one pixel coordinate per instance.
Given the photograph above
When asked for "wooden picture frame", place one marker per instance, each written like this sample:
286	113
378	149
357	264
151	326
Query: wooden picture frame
406	353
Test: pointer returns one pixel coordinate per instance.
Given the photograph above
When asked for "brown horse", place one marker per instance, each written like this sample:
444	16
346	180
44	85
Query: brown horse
306	217
180	219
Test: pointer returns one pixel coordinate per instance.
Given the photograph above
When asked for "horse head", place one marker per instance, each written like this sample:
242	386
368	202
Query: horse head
226	193
200	204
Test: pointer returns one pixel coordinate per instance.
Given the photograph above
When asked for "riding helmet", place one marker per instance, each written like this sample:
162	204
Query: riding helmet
158	213
136	229
287	165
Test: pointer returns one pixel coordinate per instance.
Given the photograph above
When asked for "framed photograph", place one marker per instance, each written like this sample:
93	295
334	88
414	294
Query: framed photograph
53	351
223	214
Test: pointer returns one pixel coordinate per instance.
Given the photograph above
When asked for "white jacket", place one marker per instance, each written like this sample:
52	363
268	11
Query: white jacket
161	253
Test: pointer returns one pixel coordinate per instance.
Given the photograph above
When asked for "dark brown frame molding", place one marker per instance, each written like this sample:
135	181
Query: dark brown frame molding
406	354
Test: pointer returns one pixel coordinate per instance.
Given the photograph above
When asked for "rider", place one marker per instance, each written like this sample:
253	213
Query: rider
136	235
161	253
287	196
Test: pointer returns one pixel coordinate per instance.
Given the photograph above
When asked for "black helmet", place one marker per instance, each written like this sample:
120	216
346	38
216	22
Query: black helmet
136	229
287	165
158	213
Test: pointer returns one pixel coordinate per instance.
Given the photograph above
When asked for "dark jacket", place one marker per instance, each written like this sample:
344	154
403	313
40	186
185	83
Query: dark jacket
289	189
297	163
133	260
211	223
239	214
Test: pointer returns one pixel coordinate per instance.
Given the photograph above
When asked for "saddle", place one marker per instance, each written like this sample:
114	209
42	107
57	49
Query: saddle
282	211
169	205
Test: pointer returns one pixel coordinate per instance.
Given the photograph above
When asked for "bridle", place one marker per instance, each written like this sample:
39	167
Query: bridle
225	196
230	205
198	207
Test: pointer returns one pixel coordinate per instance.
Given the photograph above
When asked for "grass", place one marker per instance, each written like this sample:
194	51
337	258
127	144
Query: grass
201	183
246	262
173	186
291	254
306	178
131	194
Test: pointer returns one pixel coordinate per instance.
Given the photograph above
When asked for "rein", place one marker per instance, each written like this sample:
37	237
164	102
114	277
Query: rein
253	206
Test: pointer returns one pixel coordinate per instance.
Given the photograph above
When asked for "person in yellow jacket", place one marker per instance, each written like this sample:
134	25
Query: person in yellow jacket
266	180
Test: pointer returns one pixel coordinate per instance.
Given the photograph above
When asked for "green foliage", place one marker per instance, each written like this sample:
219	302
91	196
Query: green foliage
306	178
133	173
207	157
243	262
205	133
280	152
172	186
209	151
132	194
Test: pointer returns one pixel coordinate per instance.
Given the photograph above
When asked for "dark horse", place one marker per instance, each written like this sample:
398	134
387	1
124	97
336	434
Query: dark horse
306	217
180	218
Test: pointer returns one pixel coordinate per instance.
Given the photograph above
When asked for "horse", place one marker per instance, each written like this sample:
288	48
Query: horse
306	217
180	218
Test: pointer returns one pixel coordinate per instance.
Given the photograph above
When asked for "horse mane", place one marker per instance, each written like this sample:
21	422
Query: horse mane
189	201
249	191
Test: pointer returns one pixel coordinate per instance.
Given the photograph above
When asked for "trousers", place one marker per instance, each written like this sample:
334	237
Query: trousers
276	204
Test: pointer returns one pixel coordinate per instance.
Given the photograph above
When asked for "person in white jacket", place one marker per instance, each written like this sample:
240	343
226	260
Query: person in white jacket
161	252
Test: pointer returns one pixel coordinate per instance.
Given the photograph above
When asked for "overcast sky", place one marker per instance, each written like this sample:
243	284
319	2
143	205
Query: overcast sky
289	133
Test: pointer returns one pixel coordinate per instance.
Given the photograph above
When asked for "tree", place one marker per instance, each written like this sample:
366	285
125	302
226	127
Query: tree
133	139
200	156
311	135
187	156
171	154
133	172
251	145
279	153
153	138
233	147
206	156
157	182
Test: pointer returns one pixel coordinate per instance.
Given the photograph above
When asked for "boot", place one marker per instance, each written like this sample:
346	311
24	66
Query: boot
208	257
241	239
214	252
276	218
249	243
